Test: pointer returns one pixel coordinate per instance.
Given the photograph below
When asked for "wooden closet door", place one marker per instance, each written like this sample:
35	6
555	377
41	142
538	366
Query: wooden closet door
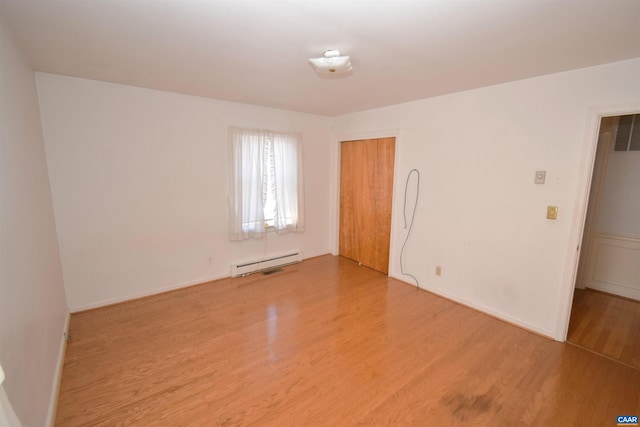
366	189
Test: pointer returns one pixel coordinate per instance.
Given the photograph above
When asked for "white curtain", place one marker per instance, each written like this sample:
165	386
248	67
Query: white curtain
265	165
245	195
287	163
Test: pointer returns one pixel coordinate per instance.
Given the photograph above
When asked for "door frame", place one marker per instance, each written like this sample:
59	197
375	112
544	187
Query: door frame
335	185
585	176
600	164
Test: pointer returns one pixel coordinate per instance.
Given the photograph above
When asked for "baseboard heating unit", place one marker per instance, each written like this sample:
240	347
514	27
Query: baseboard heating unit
255	266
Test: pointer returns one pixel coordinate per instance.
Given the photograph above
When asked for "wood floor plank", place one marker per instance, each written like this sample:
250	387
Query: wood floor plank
606	324
327	342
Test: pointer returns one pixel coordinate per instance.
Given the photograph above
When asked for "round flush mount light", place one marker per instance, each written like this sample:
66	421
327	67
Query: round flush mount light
331	63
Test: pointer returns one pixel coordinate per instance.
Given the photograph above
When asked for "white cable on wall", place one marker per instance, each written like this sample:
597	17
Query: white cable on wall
412	172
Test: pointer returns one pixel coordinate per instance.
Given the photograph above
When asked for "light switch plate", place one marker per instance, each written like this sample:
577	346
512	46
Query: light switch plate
552	212
540	176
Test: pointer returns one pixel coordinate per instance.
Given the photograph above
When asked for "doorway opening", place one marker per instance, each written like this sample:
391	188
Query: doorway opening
605	313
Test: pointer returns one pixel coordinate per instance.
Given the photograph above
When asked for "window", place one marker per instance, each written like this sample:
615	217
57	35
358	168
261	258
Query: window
628	136
266	182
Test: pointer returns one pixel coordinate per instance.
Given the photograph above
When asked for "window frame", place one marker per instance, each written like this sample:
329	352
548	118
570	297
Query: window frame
273	167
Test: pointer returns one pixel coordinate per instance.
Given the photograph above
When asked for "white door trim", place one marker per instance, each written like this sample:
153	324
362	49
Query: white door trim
585	174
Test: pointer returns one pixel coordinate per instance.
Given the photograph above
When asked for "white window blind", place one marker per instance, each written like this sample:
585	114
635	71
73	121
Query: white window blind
266	185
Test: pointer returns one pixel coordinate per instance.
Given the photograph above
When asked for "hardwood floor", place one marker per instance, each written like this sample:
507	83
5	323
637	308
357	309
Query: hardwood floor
606	324
326	342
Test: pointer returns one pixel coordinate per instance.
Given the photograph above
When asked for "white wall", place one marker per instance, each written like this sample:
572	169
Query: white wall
480	215
139	183
32	301
620	204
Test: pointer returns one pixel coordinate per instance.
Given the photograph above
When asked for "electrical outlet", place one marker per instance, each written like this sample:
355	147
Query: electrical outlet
210	260
438	270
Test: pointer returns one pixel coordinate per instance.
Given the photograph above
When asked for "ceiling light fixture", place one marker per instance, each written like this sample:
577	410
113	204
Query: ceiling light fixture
331	63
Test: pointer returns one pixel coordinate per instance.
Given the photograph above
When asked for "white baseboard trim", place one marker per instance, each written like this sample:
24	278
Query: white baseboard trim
615	289
131	297
501	316
53	402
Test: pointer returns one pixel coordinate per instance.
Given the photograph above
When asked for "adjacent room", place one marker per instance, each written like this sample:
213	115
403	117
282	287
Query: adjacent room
418	212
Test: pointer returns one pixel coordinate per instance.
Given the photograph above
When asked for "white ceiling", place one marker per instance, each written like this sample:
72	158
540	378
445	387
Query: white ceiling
256	52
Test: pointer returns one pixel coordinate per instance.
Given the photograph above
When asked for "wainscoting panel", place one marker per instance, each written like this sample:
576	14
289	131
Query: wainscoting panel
614	266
